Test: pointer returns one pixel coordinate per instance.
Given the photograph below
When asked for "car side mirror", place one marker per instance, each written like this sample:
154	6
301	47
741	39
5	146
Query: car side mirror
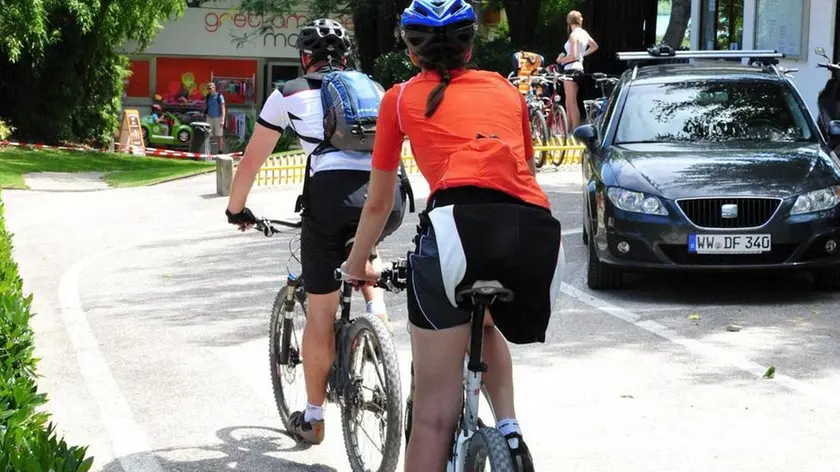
588	134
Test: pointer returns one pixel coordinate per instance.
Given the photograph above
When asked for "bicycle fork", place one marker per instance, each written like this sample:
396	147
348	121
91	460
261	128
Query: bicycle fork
474	367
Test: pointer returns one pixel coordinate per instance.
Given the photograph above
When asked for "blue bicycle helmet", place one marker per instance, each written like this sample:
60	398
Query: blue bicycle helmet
431	28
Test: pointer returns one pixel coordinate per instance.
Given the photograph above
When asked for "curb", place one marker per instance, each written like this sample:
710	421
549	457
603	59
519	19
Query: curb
152	152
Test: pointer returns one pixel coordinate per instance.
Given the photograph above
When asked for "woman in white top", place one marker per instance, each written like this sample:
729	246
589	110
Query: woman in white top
579	45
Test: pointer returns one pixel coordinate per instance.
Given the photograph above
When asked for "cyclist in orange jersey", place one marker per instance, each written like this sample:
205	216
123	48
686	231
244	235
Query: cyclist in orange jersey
486	219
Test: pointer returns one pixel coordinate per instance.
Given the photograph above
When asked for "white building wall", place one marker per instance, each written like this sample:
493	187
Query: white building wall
820	32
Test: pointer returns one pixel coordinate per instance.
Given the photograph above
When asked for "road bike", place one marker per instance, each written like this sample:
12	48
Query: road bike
596	107
360	339
473	443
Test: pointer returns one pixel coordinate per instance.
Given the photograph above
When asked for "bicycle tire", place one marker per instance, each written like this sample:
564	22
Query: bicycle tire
539	134
393	396
278	326
488	445
561	125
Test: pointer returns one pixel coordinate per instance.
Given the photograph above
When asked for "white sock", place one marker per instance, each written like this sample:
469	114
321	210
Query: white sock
376	307
508	426
313	413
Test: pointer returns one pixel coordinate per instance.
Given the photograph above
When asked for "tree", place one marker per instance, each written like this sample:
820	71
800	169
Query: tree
678	23
61	77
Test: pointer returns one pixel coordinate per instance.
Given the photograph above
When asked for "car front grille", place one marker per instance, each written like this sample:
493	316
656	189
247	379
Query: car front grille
708	212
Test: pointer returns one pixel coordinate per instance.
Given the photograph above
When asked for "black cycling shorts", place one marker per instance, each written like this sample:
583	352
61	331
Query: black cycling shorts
468	234
336	199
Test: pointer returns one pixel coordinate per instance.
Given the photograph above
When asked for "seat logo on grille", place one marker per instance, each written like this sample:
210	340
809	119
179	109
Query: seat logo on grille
729	211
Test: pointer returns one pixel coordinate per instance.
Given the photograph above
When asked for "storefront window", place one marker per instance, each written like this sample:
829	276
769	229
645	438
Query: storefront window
722	24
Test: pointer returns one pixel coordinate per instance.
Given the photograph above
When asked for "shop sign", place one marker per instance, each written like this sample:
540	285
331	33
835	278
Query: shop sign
210	30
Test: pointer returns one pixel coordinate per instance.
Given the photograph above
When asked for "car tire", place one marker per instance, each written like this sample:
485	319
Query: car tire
827	279
600	276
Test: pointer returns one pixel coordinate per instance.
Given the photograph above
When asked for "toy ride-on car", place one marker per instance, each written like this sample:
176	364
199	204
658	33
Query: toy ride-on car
170	131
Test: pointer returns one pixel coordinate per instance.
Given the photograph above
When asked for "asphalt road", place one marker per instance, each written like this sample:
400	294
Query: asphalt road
152	318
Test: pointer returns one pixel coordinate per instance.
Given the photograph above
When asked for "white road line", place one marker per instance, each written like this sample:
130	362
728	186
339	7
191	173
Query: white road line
571	231
698	347
129	441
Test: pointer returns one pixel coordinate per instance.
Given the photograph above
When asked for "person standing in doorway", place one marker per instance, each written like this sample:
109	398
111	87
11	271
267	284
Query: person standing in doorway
216	111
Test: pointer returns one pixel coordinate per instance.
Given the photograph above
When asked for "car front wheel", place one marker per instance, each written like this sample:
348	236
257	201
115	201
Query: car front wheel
600	276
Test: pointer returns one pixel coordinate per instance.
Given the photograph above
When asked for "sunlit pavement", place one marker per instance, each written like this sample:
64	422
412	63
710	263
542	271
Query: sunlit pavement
152	317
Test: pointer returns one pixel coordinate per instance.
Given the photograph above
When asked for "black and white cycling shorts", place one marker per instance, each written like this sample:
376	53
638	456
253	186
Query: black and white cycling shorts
468	234
336	201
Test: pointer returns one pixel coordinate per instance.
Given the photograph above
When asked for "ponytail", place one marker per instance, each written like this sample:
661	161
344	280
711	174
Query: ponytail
436	95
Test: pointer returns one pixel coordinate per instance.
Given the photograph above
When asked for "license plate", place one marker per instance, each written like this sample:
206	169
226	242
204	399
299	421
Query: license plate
728	243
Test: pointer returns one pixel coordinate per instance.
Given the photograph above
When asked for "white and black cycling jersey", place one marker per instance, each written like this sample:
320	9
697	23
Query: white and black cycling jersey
298	106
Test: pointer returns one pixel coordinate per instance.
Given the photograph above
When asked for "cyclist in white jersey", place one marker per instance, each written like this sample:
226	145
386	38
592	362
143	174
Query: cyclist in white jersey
337	190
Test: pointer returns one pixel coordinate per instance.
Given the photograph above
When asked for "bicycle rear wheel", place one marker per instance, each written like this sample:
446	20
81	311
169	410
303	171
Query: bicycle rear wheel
288	317
488	445
539	135
368	339
560	130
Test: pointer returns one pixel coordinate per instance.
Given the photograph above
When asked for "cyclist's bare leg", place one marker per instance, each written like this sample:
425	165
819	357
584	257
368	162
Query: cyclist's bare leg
319	344
499	376
438	358
572	110
376	295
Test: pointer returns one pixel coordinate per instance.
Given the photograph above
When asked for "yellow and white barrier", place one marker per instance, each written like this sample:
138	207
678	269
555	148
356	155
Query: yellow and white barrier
290	167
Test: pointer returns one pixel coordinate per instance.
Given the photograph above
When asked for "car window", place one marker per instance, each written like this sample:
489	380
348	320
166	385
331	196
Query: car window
602	121
712	111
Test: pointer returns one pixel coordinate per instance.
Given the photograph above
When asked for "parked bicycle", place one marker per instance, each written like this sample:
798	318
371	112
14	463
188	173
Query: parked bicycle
545	98
596	107
474	443
358	340
539	107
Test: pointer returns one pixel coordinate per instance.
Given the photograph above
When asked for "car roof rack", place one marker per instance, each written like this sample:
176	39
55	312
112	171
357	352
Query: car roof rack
664	54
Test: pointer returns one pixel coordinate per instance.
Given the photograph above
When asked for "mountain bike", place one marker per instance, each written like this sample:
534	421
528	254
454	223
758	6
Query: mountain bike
596	107
360	339
473	443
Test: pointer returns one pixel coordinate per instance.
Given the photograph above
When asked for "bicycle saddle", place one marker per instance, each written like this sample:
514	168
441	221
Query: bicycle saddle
598	75
485	288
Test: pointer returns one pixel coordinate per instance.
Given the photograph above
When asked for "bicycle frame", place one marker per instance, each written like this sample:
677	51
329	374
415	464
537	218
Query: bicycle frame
472	382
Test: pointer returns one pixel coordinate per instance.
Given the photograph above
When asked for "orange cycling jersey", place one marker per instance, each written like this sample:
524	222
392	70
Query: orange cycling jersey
479	136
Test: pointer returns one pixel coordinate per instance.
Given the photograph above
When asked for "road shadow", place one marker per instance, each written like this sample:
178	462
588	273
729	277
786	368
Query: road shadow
248	448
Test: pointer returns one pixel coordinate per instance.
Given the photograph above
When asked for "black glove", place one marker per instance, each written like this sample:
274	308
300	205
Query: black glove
243	217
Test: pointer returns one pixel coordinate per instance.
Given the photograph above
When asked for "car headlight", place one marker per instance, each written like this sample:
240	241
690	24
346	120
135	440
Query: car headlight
818	200
636	202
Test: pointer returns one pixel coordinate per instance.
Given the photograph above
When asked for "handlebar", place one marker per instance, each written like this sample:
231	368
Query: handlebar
831	67
392	279
267	226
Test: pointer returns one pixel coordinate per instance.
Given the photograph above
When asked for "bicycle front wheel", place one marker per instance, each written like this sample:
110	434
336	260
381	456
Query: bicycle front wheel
488	445
288	317
539	135
371	355
560	130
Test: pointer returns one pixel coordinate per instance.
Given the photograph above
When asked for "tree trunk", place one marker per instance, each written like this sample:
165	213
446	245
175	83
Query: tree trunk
365	37
522	16
680	14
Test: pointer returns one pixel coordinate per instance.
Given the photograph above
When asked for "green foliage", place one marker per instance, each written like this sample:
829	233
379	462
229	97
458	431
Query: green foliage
6	130
29	443
60	77
393	67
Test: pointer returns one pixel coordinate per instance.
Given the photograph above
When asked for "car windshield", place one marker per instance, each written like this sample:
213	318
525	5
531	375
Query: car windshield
712	111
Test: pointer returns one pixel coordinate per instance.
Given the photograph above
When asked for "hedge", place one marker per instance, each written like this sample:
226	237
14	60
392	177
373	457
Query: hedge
28	441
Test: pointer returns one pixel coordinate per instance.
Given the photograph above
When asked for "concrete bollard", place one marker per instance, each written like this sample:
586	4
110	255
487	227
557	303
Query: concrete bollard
224	175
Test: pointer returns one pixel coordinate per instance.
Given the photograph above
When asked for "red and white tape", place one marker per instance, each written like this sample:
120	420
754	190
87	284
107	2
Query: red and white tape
149	151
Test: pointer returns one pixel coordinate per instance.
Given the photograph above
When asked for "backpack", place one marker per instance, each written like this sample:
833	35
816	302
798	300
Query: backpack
350	101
